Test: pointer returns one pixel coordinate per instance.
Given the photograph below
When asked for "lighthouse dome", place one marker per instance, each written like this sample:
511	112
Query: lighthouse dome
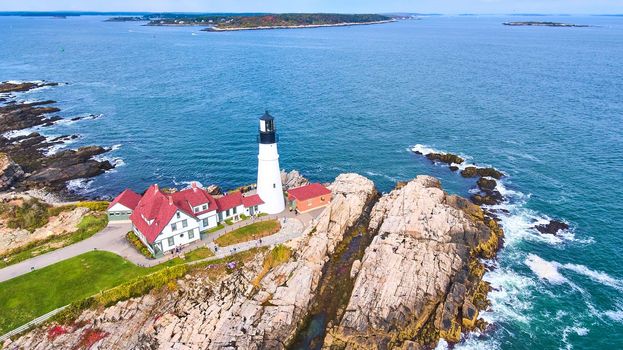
267	116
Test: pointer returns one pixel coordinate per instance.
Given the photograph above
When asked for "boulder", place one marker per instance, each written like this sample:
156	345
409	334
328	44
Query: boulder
472	171
214	190
292	179
447	158
10	172
486	184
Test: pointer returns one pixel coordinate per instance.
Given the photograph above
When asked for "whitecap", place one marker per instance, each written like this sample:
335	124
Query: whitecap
575	329
596	276
423	149
115	147
545	270
615	315
510	296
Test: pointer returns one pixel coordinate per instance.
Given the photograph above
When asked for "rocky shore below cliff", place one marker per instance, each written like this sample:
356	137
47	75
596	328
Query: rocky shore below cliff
26	161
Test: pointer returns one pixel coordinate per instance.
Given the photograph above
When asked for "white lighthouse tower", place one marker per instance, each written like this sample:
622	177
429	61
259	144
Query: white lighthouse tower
269	186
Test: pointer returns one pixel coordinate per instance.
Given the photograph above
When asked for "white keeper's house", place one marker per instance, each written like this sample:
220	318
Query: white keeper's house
165	221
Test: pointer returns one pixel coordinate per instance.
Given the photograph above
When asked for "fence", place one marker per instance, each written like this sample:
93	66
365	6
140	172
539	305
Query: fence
32	323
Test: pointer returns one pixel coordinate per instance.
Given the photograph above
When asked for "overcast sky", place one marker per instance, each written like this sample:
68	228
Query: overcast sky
345	6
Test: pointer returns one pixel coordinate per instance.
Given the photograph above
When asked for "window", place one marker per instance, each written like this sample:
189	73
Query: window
191	234
235	209
227	212
184	223
181	235
170	241
177	215
206	222
274	185
204	207
173	227
322	199
196	209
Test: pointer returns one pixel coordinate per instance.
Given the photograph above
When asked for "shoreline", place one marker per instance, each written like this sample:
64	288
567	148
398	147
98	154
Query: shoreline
30	160
303	26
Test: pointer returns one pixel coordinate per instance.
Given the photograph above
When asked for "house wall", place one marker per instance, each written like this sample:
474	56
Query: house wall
313	203
143	239
119	212
239	210
212	220
181	234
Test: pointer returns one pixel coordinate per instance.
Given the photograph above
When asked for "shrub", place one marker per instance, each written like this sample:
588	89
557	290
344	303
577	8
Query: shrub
277	256
261	214
31	215
243	217
138	244
94	205
229	222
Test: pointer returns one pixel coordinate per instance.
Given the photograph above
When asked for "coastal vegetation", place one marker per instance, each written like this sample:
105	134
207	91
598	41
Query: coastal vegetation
136	243
277	256
249	232
198	254
33	214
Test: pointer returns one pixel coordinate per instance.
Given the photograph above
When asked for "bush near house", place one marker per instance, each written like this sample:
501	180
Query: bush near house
214	229
138	244
229	222
249	232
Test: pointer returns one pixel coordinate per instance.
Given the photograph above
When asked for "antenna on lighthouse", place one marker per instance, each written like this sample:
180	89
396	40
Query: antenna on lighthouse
269	186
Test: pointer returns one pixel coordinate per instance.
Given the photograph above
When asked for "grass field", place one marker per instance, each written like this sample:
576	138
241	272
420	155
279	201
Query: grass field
198	254
31	295
249	232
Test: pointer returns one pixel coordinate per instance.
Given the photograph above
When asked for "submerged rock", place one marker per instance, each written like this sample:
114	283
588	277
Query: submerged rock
486	184
420	279
552	227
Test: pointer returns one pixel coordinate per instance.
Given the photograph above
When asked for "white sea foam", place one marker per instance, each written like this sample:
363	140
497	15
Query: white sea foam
596	276
115	147
615	315
390	178
575	329
545	270
424	149
80	186
510	296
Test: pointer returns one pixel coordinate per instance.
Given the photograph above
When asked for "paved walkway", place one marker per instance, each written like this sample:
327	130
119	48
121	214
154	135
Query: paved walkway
113	239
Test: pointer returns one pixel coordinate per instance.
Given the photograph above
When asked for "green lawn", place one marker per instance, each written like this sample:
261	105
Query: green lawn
198	254
214	229
249	232
31	295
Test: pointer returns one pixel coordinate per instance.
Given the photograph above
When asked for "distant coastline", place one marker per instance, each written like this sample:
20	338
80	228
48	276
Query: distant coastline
545	24
345	24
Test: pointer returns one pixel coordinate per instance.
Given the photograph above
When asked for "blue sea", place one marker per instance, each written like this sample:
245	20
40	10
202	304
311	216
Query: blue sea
544	105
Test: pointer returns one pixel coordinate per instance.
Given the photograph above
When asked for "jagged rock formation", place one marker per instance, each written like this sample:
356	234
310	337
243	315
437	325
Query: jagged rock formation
239	311
9	172
292	179
420	279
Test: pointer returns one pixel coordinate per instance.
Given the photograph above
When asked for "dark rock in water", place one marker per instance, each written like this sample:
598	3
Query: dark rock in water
10	172
552	227
26	115
454	168
472	171
486	184
487	198
447	158
22	87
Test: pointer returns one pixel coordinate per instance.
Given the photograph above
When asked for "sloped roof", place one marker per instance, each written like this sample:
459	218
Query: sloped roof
127	198
249	201
153	212
229	201
308	192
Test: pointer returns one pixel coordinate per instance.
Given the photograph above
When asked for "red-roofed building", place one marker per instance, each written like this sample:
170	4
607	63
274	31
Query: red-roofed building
122	206
308	197
165	221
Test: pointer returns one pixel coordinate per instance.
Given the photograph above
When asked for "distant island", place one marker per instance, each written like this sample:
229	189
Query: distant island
544	24
231	22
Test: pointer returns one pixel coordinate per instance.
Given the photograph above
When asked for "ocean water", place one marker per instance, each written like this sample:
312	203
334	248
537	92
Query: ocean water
544	105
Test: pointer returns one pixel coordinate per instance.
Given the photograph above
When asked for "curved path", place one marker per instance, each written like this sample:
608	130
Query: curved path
112	239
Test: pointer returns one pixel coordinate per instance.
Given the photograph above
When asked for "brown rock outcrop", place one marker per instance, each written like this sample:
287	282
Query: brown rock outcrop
292	179
420	278
10	172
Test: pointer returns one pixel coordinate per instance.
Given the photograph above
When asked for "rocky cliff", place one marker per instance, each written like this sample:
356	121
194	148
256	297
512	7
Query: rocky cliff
10	172
242	310
420	279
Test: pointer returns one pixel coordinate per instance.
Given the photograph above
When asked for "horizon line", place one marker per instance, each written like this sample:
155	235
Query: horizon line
86	13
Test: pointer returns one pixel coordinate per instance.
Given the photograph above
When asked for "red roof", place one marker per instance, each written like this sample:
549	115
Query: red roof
229	201
127	198
250	201
308	192
153	212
